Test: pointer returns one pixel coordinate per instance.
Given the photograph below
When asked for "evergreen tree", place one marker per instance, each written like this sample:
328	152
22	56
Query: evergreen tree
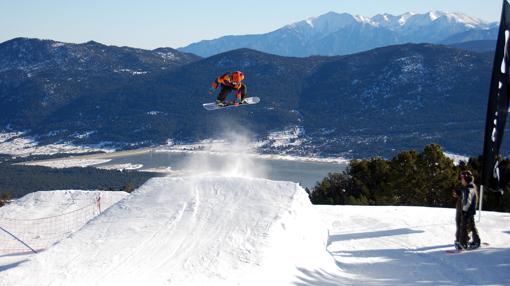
370	180
5	198
438	174
410	178
405	179
331	190
493	200
128	188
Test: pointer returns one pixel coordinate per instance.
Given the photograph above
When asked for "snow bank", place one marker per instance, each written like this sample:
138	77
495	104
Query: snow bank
190	231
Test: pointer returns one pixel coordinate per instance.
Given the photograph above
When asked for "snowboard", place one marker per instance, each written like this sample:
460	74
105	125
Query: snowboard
484	245
214	106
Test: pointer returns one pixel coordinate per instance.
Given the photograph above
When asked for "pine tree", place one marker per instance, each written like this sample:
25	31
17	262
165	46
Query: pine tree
440	176
331	190
370	179
405	179
410	178
5	198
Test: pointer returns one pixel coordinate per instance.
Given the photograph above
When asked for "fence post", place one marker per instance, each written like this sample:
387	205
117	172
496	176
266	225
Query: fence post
98	201
22	242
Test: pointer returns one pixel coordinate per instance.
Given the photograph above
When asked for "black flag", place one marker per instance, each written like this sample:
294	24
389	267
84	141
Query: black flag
497	108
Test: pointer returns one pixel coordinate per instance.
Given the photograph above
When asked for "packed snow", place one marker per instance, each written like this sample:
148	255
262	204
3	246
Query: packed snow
210	230
41	219
387	245
190	231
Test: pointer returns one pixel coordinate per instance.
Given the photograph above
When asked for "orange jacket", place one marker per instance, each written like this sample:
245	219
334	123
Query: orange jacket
226	79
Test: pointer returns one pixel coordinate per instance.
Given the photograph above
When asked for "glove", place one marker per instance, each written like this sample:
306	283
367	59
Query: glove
211	90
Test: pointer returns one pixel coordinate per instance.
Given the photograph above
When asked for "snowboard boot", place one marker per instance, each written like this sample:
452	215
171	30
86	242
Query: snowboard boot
460	246
220	103
473	245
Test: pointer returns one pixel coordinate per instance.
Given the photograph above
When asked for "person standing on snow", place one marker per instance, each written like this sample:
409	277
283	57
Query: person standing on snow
467	199
458	216
229	82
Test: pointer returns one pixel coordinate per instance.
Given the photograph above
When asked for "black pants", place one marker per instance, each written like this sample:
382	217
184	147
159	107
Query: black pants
467	224
225	90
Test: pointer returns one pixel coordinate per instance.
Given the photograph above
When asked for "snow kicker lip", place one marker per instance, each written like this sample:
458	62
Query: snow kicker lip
187	230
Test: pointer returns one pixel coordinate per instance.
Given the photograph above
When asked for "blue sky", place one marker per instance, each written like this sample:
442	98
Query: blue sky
157	23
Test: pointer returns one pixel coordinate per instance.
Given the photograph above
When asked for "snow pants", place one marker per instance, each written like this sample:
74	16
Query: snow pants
467	224
225	90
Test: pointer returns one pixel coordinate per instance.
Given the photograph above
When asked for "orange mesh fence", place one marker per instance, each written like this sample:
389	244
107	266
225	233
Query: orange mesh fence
33	235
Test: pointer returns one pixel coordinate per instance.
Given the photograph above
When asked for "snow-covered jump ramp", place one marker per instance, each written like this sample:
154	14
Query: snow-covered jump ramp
191	231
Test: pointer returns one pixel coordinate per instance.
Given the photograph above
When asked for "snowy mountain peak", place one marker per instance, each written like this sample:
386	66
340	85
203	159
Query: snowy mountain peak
467	20
384	17
433	15
448	18
388	20
332	21
342	33
327	23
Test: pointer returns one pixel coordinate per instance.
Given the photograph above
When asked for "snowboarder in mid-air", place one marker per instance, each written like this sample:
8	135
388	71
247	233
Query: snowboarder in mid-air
229	82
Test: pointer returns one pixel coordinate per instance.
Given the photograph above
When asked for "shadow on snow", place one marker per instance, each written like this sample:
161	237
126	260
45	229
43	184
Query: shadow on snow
410	266
371	234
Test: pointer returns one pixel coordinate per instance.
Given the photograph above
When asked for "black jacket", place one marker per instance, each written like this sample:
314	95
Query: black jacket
469	198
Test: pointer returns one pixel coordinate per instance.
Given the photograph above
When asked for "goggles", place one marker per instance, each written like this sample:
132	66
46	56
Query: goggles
465	174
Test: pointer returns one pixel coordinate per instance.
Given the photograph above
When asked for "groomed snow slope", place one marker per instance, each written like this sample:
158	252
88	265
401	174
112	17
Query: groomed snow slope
191	231
397	245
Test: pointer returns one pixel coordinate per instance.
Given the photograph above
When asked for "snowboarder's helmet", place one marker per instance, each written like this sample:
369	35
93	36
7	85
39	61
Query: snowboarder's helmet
237	76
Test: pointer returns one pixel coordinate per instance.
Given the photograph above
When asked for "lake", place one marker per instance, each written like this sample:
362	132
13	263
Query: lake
305	172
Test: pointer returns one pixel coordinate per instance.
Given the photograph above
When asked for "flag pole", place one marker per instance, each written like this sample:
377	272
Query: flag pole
480	202
497	108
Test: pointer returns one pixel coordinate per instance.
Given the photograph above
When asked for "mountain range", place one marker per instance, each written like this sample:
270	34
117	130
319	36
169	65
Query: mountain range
371	103
340	34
